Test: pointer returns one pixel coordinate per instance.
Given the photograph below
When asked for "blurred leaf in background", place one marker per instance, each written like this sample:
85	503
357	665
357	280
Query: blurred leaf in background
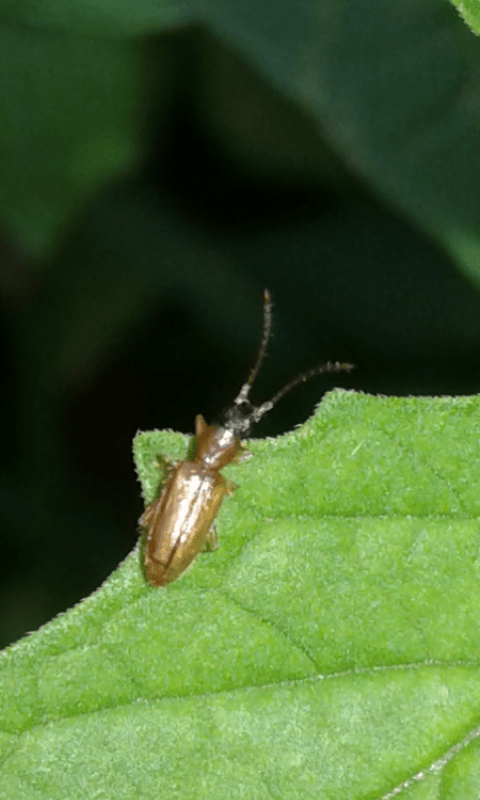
161	165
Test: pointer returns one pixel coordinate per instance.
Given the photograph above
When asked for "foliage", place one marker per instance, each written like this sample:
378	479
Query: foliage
327	649
470	11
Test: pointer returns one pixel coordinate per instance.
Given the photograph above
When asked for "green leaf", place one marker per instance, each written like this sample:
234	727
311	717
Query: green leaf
470	11
328	649
131	18
394	88
87	101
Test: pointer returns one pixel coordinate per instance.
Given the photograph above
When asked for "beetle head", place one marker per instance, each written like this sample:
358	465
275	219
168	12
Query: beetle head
239	418
242	415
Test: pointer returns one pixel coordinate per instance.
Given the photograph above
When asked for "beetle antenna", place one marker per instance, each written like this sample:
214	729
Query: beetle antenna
267	330
330	366
240	417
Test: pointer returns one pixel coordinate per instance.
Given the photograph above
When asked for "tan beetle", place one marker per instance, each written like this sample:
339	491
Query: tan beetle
181	522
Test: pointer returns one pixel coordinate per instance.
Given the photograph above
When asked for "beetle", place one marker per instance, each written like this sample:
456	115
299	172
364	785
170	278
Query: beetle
180	523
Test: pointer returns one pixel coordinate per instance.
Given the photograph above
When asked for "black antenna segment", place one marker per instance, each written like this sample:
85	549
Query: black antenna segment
242	414
266	333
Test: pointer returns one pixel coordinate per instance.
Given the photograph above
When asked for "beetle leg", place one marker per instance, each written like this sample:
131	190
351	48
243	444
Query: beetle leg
231	486
212	540
167	465
147	514
244	454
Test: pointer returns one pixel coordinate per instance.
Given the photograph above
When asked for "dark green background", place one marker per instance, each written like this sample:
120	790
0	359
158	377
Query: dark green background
157	171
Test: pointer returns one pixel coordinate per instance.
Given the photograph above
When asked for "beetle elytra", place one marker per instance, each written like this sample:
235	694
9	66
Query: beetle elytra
180	523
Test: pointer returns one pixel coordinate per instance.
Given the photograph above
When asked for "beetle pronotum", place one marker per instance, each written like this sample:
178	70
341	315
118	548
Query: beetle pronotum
181	522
